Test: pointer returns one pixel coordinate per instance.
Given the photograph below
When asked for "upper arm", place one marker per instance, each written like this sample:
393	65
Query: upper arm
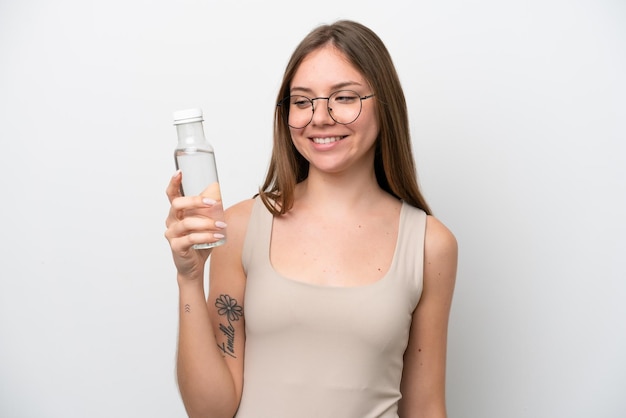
226	292
423	377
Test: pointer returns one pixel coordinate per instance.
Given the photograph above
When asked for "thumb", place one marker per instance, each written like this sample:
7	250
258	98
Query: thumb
173	188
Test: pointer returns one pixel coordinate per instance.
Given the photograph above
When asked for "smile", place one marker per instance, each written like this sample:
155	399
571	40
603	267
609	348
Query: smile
327	140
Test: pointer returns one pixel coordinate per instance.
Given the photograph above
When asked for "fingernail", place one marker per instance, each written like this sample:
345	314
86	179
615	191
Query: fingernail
208	201
176	173
220	224
218	236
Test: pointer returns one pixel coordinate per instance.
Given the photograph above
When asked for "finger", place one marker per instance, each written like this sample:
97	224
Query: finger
183	234
189	206
173	188
192	205
175	213
196	225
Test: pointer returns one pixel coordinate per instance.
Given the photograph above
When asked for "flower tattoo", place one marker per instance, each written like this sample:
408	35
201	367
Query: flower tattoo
228	306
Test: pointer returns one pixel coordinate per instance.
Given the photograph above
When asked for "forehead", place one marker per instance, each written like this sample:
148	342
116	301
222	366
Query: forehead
326	68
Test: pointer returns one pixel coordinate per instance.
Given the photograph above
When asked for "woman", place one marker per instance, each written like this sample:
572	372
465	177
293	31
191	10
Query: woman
332	294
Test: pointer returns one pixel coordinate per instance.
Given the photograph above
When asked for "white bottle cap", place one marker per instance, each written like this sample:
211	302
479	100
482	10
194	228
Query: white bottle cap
188	115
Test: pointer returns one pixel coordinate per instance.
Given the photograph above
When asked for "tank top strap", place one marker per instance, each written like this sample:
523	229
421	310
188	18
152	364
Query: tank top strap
257	241
410	256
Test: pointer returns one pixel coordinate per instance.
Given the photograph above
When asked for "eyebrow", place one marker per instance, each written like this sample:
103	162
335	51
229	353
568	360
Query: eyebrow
334	87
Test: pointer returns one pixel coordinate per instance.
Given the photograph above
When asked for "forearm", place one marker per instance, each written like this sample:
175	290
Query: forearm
205	381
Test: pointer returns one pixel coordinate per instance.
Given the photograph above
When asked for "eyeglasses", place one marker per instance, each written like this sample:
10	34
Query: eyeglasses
344	107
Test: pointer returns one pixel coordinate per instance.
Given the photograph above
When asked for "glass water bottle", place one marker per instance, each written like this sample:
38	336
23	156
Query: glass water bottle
195	158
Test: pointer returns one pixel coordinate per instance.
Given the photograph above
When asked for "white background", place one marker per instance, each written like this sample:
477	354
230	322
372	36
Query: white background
518	113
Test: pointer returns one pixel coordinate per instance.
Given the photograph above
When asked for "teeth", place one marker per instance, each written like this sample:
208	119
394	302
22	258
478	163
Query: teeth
326	140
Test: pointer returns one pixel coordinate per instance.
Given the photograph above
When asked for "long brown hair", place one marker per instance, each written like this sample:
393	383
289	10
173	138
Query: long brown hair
393	162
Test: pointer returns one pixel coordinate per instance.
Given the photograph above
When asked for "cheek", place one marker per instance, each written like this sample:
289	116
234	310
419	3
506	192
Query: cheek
369	120
295	135
297	139
370	128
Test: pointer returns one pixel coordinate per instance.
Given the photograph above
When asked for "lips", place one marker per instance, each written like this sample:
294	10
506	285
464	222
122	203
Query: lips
327	140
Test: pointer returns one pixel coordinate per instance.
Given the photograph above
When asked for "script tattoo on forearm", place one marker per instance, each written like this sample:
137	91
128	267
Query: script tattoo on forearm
228	307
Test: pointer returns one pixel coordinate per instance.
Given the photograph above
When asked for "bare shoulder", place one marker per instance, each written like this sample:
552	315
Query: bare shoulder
439	239
240	211
237	216
440	251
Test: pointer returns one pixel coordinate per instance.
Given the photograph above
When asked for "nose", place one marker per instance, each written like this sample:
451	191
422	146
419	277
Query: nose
321	117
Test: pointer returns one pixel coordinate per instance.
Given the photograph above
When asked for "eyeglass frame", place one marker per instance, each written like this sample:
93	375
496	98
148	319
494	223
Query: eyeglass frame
328	108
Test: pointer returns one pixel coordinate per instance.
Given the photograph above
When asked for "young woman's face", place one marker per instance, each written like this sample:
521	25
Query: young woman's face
330	146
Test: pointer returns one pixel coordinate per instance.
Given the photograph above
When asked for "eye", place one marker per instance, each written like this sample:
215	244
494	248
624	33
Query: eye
345	97
300	102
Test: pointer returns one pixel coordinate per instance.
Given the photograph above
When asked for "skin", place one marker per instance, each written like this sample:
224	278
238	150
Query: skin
339	204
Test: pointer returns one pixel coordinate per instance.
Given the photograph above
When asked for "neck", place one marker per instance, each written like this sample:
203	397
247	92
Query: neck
336	191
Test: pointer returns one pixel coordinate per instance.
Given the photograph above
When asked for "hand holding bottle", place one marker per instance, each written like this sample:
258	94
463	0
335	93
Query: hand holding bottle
192	221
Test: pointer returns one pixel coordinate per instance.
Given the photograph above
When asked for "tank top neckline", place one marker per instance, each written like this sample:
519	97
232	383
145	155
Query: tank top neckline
380	282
